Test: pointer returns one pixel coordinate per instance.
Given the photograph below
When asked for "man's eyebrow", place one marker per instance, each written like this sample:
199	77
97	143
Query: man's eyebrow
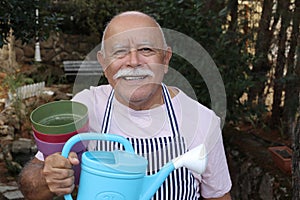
117	46
141	43
145	43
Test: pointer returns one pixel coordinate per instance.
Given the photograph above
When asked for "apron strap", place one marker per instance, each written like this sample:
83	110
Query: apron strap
170	110
107	114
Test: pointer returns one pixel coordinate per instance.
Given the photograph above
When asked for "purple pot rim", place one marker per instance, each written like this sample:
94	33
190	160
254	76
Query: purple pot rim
49	148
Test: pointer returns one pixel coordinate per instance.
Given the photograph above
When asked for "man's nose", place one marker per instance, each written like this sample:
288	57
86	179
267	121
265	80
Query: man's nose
133	59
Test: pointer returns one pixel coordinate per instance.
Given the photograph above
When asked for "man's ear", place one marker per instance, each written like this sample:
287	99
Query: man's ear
101	60
167	58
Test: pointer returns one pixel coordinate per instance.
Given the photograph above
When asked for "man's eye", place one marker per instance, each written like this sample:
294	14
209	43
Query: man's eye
146	51
121	52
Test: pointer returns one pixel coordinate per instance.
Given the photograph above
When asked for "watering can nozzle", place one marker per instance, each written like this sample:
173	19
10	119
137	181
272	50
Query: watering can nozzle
195	160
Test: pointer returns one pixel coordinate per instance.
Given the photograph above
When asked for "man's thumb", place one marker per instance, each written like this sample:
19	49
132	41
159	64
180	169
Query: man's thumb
73	158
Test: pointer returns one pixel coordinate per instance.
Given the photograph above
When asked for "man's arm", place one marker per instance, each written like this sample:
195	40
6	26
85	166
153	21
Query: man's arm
44	180
225	197
32	183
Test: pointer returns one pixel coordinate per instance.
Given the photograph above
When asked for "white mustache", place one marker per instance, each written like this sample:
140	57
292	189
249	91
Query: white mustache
133	72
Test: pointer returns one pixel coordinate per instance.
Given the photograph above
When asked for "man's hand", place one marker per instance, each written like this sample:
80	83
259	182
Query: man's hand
59	174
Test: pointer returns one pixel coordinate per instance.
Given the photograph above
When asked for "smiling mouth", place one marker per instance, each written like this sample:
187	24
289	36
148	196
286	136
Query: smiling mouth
133	74
132	78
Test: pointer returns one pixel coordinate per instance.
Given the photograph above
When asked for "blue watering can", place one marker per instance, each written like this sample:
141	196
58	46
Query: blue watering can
121	175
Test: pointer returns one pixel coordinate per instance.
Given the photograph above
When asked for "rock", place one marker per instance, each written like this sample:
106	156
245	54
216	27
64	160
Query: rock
19	54
22	150
34	148
1	120
13	195
15	121
2	105
48	44
16	166
7	138
5	188
6	130
10	191
22	145
48	54
8	157
28	51
61	96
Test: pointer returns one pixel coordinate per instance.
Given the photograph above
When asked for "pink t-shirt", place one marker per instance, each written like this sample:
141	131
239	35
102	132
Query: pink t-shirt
197	124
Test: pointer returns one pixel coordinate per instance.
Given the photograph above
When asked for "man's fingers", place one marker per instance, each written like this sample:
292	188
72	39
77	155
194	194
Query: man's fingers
57	161
59	174
63	191
73	158
61	181
61	187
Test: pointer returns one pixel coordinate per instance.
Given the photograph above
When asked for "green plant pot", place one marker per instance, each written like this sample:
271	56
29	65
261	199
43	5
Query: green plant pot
59	117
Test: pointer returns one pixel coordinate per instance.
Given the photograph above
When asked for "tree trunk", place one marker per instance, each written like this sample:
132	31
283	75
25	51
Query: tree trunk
291	101
261	66
233	5
283	9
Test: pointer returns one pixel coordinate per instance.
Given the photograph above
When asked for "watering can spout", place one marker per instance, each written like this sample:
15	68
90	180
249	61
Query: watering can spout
195	160
152	182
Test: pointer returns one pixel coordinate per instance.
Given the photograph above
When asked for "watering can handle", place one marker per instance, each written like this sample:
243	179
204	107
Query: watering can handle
93	136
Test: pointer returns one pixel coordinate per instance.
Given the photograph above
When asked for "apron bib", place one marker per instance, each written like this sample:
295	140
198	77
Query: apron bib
180	184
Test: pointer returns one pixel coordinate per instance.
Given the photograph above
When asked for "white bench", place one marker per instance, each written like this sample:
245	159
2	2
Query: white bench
85	68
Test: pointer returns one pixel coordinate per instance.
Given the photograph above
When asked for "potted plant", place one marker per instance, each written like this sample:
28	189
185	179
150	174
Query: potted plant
282	156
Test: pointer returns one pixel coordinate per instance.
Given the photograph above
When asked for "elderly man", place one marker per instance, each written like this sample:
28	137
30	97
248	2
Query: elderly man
137	105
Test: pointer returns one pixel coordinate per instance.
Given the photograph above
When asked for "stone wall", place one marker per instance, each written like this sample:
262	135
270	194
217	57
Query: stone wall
57	48
17	145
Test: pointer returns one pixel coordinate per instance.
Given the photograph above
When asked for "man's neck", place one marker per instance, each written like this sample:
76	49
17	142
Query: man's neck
154	101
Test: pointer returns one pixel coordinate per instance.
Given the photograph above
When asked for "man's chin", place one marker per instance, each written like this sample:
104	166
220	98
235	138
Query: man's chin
132	96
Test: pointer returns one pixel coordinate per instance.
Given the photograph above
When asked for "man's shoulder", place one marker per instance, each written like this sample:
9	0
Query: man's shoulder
93	92
104	88
191	105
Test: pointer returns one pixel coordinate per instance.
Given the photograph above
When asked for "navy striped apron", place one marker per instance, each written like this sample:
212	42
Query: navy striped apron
180	184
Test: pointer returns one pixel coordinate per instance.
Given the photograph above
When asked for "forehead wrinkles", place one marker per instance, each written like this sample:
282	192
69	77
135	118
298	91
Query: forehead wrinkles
138	36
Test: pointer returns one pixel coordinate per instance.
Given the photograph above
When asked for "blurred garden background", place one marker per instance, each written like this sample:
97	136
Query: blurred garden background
255	45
